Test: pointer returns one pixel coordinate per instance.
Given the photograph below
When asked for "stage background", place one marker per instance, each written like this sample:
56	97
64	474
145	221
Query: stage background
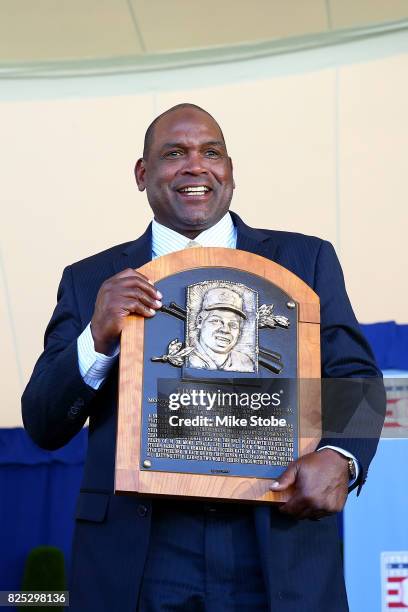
318	134
318	139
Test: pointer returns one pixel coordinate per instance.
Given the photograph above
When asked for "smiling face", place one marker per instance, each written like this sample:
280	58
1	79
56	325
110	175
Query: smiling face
187	173
219	330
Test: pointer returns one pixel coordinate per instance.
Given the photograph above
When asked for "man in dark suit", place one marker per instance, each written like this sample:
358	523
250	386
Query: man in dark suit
166	555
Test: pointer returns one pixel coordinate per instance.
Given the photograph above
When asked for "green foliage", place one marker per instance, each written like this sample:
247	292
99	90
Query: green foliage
44	571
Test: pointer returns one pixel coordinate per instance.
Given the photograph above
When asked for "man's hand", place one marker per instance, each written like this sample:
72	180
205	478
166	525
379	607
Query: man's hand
320	484
128	292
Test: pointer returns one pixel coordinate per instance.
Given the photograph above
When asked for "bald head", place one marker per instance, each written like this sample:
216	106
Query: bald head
185	105
186	170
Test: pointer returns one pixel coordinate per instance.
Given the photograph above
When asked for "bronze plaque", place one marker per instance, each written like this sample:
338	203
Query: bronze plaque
214	398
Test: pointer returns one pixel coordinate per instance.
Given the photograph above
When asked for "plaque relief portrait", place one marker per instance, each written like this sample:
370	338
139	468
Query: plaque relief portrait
222	326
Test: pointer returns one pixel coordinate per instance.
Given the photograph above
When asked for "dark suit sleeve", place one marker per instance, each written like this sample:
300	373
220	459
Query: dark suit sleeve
56	401
353	397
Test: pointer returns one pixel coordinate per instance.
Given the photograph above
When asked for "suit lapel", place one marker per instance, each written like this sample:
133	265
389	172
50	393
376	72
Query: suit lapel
253	240
137	253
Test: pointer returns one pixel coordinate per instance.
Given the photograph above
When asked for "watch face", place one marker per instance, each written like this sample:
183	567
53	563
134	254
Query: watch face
352	468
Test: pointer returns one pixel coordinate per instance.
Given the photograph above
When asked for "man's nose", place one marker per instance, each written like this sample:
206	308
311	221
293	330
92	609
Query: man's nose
194	164
225	327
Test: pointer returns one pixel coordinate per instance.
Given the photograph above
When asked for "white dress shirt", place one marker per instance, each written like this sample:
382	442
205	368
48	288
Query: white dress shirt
94	366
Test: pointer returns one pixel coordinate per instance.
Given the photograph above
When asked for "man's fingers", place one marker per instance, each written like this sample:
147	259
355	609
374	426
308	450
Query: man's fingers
287	479
130	282
301	507
130	272
137	306
127	292
139	295
320	485
148	301
316	516
295	507
130	278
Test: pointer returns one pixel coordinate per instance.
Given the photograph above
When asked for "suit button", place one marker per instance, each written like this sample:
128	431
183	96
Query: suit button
72	412
142	510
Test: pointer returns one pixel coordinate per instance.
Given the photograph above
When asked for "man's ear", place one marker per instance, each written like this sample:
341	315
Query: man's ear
140	174
232	172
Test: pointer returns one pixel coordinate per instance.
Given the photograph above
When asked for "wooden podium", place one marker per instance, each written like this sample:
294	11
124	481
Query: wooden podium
234	326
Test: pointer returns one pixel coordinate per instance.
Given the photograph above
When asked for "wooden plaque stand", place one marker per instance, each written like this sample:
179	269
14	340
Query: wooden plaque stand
130	478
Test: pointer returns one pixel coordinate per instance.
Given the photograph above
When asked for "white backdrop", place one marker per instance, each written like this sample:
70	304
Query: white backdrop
319	143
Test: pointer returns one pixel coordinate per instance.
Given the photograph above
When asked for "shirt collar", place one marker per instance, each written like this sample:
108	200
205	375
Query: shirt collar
166	240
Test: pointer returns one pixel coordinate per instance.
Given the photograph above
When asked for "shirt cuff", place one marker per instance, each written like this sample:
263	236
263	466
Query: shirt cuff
93	366
350	456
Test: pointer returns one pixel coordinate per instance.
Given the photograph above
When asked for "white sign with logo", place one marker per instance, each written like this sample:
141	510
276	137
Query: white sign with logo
394	580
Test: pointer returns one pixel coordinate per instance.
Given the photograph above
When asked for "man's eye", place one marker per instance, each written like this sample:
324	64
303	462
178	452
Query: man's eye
173	154
212	153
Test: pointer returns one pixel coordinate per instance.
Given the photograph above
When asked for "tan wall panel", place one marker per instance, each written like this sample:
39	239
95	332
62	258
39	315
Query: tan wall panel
68	189
67	29
11	386
184	24
352	13
280	135
373	106
69	192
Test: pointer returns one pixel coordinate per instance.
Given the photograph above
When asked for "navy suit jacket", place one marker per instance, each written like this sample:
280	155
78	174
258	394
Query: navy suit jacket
300	559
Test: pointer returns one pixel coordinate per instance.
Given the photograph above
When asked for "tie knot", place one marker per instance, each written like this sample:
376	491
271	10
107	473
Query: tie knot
192	244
